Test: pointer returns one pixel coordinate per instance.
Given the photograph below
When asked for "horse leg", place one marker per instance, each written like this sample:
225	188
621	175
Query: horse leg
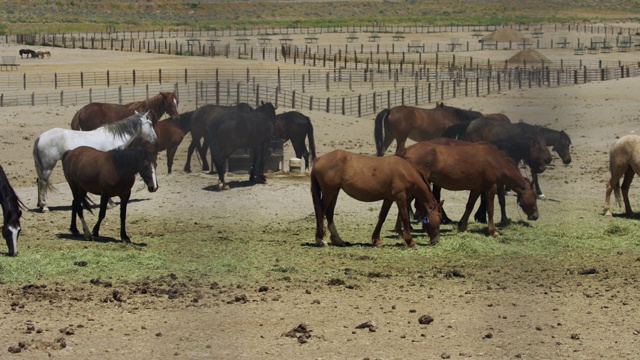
504	220
481	213
384	210
171	153
104	199
330	208
471	202
404	216
124	200
76	207
219	162
626	184
437	190
490	195
43	185
187	164
534	177
203	155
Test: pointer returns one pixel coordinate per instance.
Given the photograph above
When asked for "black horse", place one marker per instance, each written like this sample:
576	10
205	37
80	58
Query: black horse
12	211
201	120
240	130
296	126
28	52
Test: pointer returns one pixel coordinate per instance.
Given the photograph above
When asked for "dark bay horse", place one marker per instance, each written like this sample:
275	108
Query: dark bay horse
28	52
296	126
108	174
12	212
624	160
477	167
408	122
240	130
201	120
93	115
369	178
490	129
170	133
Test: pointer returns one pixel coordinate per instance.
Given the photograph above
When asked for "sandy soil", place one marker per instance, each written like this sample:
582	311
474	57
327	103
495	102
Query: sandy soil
506	310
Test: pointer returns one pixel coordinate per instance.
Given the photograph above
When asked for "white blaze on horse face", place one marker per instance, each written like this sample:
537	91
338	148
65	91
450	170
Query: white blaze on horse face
14	231
154	180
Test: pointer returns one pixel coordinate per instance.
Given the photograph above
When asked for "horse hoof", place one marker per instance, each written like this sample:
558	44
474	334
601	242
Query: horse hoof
411	244
44	209
321	243
542	197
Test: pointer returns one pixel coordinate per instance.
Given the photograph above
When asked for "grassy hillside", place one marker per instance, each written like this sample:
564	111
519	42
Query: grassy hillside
67	15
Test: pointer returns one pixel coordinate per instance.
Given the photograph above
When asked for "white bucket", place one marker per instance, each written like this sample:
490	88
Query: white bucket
295	165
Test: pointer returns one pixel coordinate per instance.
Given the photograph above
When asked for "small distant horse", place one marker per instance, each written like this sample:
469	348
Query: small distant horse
240	130
624	160
170	133
12	212
296	126
202	119
477	167
408	122
49	147
370	178
108	174
94	115
28	52
491	129
42	53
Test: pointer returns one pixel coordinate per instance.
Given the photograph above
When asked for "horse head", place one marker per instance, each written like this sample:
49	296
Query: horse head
563	147
527	200
146	130
11	229
148	169
431	217
171	101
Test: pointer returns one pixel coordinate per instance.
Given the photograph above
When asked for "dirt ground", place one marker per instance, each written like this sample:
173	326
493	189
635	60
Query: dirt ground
501	310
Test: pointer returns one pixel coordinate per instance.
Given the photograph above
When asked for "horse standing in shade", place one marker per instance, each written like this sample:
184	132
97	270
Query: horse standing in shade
408	122
12	212
369	178
49	147
201	120
108	174
296	126
94	115
240	130
477	167
624	161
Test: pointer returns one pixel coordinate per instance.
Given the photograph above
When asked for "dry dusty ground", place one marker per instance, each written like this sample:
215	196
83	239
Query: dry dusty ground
512	308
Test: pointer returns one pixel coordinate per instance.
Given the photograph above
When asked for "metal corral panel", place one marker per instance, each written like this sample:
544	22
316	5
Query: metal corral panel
240	161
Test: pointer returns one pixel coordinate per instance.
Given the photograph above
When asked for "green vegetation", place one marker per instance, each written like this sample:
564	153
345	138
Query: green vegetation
51	16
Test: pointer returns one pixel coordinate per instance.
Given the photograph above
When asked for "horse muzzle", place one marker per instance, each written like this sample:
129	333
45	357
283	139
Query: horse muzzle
533	217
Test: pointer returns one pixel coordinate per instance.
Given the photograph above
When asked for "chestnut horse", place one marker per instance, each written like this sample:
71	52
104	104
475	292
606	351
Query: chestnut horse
369	178
624	160
296	126
12	212
408	122
106	173
201	120
94	115
170	133
477	167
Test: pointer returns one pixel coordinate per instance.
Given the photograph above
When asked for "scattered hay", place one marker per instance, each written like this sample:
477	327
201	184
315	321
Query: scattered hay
530	56
504	35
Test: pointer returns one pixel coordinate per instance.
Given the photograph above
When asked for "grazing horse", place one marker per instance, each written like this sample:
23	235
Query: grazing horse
477	167
170	133
93	115
491	129
11	211
28	52
239	130
369	178
408	122
624	160
108	174
42	53
201	120
296	126
49	147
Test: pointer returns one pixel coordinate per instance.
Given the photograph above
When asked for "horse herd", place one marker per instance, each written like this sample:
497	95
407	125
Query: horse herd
455	149
34	53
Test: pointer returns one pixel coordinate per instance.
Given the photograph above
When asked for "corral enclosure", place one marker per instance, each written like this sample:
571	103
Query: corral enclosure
233	274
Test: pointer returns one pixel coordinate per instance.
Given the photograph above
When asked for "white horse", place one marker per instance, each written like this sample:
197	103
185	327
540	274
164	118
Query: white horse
624	162
50	146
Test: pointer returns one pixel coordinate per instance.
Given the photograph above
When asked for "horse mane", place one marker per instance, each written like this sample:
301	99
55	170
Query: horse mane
127	126
125	158
8	195
465	115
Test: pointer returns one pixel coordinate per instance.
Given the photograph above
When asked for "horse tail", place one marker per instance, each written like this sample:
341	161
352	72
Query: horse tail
316	194
87	203
48	186
456	131
75	121
378	130
616	192
312	142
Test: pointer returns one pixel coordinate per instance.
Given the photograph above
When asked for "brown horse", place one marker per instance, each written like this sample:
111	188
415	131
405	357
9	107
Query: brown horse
624	160
369	178
408	122
12	208
296	126
108	174
170	133
201	120
94	115
477	167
